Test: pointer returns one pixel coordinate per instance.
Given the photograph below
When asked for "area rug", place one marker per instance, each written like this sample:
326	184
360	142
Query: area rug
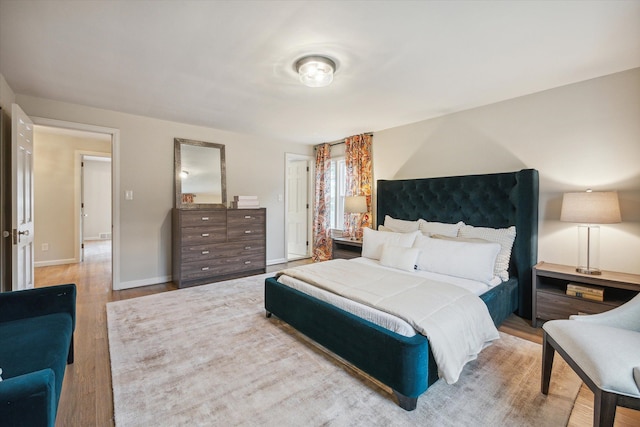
208	356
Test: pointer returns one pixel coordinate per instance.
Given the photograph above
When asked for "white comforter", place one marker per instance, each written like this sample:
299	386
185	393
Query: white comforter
456	322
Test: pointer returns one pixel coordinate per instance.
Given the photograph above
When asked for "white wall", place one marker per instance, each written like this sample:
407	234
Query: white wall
255	166
56	187
578	136
584	135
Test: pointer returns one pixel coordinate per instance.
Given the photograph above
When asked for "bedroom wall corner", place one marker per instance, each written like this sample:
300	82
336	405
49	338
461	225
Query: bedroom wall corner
579	136
7	96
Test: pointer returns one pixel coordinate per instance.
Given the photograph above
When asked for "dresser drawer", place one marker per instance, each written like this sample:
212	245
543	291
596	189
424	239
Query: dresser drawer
214	233
255	232
222	250
221	266
246	216
203	218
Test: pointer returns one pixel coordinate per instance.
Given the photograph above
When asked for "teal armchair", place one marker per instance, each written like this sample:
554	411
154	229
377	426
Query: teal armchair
36	344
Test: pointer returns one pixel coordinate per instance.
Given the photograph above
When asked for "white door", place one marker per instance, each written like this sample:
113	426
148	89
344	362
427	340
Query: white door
297	208
82	210
21	199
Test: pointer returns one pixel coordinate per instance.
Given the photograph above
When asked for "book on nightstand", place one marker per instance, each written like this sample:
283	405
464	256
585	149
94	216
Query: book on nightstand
587	292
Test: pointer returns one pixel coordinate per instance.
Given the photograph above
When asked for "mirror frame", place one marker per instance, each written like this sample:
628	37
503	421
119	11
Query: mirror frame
178	142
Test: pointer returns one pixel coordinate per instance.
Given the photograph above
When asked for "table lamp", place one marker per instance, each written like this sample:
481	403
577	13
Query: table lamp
590	208
353	205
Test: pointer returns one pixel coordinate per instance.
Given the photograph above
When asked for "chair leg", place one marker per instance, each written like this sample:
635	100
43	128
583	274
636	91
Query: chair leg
604	408
547	363
70	354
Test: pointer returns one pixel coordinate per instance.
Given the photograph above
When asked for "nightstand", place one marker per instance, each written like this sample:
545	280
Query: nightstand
346	248
550	300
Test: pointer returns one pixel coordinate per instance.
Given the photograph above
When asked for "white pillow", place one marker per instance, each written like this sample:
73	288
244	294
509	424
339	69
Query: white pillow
503	236
399	257
468	260
428	228
373	241
459	239
400	225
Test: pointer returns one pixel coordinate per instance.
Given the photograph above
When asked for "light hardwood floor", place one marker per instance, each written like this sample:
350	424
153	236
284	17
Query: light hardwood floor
87	398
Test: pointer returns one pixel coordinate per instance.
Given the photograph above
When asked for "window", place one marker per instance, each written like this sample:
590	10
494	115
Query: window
338	188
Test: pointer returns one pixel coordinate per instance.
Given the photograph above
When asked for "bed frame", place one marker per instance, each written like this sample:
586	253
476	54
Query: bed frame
406	364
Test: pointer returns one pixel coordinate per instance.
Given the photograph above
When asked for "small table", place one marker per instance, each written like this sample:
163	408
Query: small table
344	247
550	300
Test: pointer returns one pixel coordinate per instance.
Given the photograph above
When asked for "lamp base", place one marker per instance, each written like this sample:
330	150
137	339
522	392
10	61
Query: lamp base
591	271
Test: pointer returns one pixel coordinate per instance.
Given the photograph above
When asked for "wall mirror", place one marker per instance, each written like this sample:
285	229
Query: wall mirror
200	174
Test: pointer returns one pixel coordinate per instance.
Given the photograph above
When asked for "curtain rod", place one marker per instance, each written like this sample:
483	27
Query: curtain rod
341	141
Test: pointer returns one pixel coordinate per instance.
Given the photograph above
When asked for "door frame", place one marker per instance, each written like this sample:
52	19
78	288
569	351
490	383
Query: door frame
78	196
289	157
115	183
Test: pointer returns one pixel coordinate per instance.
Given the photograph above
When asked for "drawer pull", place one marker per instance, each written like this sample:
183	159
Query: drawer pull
205	234
205	218
247	262
205	268
246	248
205	252
247	231
247	217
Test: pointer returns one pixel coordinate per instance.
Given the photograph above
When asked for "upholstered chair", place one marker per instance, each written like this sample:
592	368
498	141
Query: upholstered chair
604	350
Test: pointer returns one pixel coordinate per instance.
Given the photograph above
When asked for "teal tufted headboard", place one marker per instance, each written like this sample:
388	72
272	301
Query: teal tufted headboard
492	200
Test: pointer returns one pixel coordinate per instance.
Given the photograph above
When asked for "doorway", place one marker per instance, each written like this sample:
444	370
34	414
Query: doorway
298	206
95	203
75	142
70	182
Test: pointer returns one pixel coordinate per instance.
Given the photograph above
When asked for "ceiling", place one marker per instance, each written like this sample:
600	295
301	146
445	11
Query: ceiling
229	64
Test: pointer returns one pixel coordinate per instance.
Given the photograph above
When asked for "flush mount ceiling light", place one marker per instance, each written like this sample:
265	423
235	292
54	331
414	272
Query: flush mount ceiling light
315	71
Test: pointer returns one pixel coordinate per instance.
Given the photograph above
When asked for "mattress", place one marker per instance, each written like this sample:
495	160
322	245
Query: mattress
380	318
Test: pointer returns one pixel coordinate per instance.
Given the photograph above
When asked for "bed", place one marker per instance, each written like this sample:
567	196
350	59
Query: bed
406	364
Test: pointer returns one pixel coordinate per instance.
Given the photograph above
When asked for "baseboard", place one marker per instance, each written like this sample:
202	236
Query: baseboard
276	261
55	262
144	282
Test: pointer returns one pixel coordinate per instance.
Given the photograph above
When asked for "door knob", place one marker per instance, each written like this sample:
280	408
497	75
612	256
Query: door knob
24	233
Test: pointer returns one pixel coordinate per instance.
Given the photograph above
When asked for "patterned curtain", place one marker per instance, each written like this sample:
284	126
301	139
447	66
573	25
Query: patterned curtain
358	180
321	217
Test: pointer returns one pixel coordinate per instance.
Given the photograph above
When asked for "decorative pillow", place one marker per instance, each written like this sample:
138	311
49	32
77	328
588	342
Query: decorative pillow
400	225
468	260
373	241
503	236
399	257
428	228
460	239
383	228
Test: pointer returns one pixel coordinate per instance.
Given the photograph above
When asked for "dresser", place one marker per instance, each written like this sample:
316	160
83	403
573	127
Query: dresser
210	245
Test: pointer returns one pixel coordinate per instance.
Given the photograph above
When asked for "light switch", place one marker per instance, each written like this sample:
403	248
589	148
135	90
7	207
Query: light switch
128	195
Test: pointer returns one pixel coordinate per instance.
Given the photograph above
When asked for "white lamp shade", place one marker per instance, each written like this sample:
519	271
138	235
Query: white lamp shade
591	207
355	204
